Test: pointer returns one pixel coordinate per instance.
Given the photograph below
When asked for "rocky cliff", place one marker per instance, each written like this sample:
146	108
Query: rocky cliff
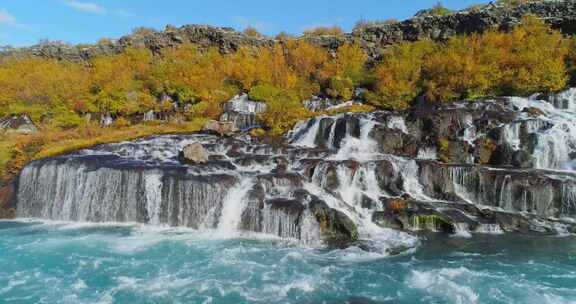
374	37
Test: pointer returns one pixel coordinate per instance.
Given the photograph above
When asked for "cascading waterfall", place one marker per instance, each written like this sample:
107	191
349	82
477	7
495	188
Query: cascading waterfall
555	132
233	206
249	185
506	194
153	186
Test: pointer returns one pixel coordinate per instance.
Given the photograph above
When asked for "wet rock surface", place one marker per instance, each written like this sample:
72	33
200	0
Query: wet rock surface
488	166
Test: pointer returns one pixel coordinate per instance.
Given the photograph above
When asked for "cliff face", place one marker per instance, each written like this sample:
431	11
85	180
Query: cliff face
375	37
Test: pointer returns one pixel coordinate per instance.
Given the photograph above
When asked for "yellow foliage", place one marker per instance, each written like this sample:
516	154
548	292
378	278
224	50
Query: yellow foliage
283	112
398	79
531	58
252	32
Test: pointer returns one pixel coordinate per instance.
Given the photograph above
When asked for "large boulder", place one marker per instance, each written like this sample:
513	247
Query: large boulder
194	154
221	128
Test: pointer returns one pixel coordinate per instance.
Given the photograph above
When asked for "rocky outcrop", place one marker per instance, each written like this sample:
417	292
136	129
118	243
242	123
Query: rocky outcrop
18	123
222	128
225	39
242	112
374	37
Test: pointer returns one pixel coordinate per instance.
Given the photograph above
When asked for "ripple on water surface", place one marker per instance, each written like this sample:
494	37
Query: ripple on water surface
86	263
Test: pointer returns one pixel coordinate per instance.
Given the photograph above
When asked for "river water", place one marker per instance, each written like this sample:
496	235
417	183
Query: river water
63	262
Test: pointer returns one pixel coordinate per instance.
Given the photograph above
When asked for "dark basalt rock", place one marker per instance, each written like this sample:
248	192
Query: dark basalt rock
389	179
337	229
535	191
394	141
288	206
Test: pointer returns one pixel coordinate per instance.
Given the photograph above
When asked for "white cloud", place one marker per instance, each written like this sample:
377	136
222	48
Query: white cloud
86	7
123	13
93	8
7	19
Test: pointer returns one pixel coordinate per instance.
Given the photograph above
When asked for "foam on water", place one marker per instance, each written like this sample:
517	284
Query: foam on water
107	263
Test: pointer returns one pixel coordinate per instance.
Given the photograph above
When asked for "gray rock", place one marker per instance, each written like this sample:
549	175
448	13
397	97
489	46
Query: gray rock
18	123
221	128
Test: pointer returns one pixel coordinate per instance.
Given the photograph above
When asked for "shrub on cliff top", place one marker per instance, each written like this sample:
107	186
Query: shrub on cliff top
252	32
325	30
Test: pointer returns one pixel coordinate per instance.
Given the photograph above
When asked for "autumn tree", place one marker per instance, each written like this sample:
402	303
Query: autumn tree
325	31
536	59
345	71
465	67
252	32
398	78
117	80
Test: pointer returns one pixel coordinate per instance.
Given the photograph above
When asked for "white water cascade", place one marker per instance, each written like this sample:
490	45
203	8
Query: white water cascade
332	173
234	205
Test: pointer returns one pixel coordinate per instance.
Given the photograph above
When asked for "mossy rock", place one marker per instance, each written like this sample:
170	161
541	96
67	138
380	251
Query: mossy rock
336	228
432	223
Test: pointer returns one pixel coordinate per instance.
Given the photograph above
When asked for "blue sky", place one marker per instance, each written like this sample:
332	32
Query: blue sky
25	22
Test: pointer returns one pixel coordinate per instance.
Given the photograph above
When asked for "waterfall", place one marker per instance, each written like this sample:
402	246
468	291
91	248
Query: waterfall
242	104
511	135
555	132
489	229
427	153
397	122
506	194
462	180
282	218
335	162
362	148
153	186
410	175
470	133
304	135
234	205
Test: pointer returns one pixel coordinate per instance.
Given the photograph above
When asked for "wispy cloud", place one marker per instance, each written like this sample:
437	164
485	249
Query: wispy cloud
7	19
93	8
86	7
123	13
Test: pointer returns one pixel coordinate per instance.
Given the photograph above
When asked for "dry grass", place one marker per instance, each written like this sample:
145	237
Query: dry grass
17	150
